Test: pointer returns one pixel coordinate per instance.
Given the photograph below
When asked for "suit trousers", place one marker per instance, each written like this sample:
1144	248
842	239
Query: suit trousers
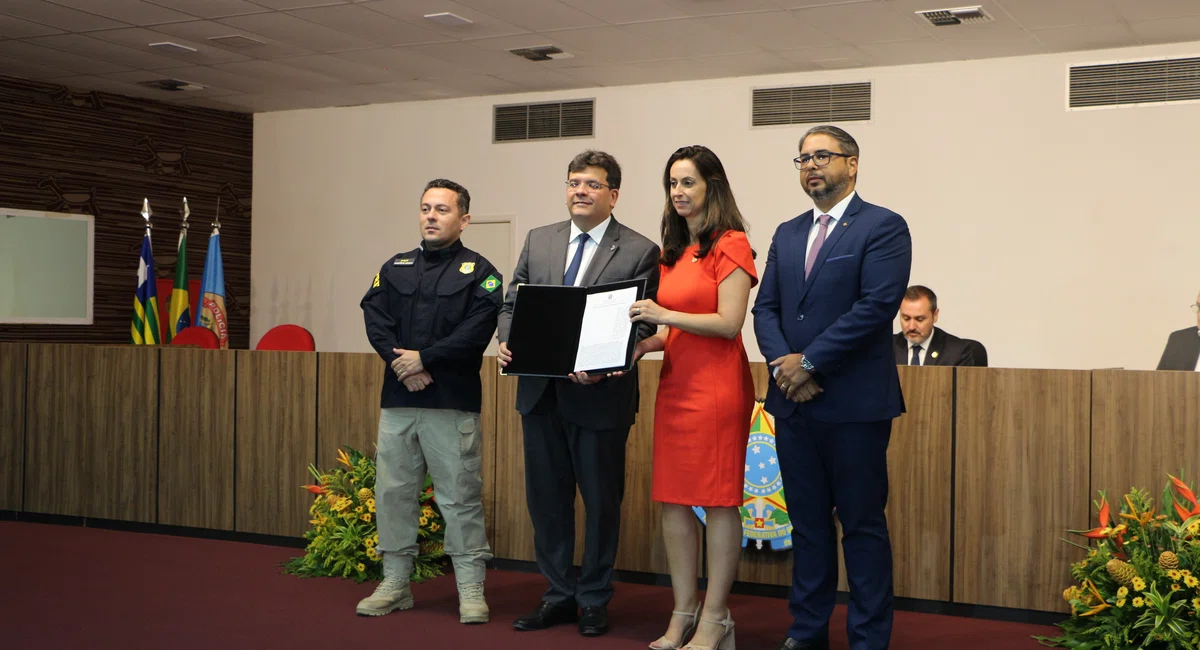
561	456
844	466
448	443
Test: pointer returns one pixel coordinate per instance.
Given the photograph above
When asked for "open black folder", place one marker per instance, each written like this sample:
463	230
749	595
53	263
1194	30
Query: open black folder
559	330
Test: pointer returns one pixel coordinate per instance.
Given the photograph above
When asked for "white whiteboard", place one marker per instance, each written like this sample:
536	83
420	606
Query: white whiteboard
47	262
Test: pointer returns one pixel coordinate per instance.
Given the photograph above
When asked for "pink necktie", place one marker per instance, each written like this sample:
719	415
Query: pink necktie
816	246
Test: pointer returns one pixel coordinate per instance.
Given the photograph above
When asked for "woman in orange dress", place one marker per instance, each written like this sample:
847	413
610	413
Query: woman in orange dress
705	392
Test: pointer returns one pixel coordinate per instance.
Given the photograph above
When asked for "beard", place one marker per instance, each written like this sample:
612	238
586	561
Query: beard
832	187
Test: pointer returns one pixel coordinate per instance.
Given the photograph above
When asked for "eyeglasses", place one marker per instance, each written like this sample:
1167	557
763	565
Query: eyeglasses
594	186
1195	307
819	159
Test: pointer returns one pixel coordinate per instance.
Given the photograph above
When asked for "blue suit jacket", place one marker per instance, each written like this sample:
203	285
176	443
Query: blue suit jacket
841	318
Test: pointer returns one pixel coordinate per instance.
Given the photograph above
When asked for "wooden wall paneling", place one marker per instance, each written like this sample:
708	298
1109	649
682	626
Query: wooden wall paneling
196	426
276	441
58	476
122	432
489	374
12	423
1021	479
101	154
347	404
513	534
1145	425
920	458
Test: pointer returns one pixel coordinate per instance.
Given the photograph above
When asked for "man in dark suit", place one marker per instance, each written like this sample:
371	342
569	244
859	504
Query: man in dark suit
834	279
920	343
1183	346
575	429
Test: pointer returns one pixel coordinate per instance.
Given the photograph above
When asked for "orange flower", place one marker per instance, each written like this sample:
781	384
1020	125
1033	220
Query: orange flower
1185	492
315	489
344	459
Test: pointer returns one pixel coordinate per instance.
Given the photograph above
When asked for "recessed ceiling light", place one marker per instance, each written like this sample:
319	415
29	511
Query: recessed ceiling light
236	40
448	19
167	46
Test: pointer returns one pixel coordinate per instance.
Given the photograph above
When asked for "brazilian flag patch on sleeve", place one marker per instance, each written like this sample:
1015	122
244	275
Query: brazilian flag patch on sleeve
490	284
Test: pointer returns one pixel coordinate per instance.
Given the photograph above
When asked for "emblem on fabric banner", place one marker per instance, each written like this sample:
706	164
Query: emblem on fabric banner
764	510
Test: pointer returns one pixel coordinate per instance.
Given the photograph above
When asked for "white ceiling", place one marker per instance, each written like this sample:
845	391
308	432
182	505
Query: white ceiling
318	53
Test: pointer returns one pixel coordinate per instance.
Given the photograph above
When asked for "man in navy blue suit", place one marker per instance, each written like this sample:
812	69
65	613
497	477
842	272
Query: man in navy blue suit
834	280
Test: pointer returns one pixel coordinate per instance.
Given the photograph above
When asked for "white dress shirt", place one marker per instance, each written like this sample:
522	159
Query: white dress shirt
835	212
920	355
589	251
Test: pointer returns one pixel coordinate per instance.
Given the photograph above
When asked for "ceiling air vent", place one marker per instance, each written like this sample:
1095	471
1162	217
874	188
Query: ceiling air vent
811	104
176	48
1140	82
956	16
541	53
236	40
172	85
516	122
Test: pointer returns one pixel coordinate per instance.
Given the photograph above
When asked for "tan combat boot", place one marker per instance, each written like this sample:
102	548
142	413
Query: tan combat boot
391	594
472	608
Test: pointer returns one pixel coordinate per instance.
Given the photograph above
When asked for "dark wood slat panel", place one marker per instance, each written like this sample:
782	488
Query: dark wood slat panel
489	373
276	440
347	404
12	423
122	431
56	430
196	438
1021	479
101	154
1144	426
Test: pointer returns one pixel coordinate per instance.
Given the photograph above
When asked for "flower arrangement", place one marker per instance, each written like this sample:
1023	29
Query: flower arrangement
1139	586
343	538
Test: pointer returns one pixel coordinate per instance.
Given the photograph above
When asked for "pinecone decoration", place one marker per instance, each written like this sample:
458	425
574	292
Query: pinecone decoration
1168	561
1121	572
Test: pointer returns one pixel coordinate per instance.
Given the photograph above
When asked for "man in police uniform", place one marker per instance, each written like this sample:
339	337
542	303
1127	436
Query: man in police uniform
430	314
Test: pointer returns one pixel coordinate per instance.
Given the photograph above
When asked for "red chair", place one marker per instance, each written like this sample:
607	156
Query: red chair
199	336
287	337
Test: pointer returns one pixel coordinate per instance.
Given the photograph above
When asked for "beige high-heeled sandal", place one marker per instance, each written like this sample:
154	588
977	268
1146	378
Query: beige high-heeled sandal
663	644
726	642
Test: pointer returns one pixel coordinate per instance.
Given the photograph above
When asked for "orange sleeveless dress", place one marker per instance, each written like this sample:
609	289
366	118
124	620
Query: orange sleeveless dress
705	391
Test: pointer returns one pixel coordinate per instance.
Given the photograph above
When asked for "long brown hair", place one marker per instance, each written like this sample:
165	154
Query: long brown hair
720	209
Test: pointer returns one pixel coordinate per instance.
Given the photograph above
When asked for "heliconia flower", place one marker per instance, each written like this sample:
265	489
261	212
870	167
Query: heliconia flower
315	489
344	459
1103	530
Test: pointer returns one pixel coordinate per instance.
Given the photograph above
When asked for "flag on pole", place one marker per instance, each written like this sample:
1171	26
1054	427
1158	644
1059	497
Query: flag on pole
180	313
145	303
212	292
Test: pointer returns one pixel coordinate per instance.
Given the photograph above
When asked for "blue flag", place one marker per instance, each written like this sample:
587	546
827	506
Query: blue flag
212	314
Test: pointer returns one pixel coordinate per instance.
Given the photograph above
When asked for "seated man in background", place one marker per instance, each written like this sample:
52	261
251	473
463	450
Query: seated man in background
919	343
1183	346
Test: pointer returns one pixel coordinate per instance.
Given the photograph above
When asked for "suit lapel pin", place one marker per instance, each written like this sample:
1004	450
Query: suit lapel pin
845	223
934	354
613	247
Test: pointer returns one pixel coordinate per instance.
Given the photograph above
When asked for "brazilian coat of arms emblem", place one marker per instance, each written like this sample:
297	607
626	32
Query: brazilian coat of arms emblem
764	510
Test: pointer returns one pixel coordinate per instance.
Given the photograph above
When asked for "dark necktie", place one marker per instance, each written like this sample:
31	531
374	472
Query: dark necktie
916	360
573	268
816	246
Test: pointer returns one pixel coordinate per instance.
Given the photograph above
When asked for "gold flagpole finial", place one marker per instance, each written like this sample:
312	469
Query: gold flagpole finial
186	212
146	212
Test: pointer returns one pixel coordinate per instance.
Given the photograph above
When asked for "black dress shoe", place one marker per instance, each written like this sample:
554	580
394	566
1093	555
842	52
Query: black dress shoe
792	644
593	621
548	614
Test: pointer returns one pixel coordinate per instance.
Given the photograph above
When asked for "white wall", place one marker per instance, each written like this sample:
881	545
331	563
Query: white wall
1061	239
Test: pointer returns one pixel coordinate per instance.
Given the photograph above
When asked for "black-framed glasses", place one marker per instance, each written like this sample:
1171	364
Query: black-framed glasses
594	186
1195	307
820	158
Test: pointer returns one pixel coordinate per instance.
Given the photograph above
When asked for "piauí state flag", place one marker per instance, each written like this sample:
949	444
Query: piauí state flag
144	329
212	292
180	312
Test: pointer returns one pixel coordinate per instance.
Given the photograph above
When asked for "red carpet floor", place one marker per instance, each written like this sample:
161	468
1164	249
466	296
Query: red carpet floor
67	587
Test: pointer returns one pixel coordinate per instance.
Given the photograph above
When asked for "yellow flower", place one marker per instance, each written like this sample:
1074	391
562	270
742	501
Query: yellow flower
365	517
1194	527
370	501
371	508
354	479
343	458
358	510
1174	574
1120	602
372	554
435	528
368	542
1175	587
1185	572
1191	581
361	567
1137	602
1122	592
423	521
375	539
1196	603
1139	584
365	494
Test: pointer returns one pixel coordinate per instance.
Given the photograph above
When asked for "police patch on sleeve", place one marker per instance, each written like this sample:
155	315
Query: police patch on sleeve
490	284
375	283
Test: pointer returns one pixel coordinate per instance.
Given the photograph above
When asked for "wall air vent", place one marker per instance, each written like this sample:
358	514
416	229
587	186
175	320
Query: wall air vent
542	53
1138	82
543	121
956	16
811	104
171	85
